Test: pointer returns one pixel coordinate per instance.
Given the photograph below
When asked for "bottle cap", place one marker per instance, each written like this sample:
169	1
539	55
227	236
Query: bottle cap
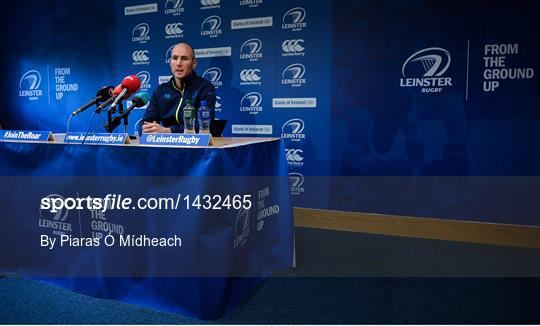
203	103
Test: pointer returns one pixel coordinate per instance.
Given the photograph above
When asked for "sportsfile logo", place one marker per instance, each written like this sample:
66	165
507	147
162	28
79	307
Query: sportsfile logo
296	181
293	75
293	130
250	77
174	7
251	50
174	30
144	76
140	57
294	157
294	19
210	4
425	69
211	26
251	3
293	48
213	74
29	85
140	33
241	228
251	102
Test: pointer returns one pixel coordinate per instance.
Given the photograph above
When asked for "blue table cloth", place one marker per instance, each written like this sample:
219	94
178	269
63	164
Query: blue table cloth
224	253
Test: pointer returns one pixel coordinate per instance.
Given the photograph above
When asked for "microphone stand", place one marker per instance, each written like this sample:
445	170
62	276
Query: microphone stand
109	118
121	111
109	126
126	123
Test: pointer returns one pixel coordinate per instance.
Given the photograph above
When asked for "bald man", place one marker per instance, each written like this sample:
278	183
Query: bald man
165	110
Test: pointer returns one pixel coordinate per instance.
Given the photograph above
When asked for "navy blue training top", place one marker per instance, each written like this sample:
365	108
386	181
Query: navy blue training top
167	102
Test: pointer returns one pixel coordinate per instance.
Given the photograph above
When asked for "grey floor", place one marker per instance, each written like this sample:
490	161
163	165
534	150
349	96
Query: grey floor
351	254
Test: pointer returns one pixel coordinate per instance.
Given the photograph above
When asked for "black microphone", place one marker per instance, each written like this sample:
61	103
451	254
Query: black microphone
105	104
140	99
104	93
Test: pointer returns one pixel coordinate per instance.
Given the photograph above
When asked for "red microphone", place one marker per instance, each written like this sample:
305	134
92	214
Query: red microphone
129	85
117	90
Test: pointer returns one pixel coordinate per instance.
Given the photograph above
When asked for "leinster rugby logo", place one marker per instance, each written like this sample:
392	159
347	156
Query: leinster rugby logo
140	33
425	69
144	76
251	3
296	181
29	85
218	103
241	228
211	26
293	130
294	19
174	7
293	75
54	219
251	102
214	76
168	54
251	49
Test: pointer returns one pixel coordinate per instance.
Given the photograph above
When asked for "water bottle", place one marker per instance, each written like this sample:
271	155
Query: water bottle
204	119
189	126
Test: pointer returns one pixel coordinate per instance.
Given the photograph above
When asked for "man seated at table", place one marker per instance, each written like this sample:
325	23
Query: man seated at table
165	110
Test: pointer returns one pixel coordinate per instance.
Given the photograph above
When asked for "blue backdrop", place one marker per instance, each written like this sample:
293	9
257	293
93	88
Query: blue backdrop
60	53
483	120
269	61
358	88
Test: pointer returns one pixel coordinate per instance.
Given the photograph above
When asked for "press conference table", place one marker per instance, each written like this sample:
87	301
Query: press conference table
224	253
218	142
